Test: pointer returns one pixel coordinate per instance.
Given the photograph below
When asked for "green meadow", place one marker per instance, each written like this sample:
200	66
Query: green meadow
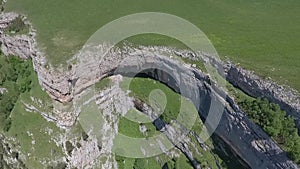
260	35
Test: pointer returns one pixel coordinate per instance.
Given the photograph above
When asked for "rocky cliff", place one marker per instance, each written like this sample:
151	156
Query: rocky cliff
253	85
245	138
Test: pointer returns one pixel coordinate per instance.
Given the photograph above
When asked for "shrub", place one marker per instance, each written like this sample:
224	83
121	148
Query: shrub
276	123
14	76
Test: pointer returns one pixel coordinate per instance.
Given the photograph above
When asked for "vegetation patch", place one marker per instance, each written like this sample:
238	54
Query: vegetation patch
276	123
124	163
133	129
149	163
157	162
15	79
102	84
17	27
35	137
271	119
169	104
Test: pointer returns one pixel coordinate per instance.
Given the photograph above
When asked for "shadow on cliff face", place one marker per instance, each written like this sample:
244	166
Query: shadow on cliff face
158	75
230	159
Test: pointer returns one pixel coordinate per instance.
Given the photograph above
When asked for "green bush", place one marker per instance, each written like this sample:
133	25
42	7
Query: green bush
15	76
140	163
276	123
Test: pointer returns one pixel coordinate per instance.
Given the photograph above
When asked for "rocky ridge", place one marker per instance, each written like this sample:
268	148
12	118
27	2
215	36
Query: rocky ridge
253	85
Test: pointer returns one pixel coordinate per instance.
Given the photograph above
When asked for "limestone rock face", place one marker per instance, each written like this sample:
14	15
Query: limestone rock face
19	45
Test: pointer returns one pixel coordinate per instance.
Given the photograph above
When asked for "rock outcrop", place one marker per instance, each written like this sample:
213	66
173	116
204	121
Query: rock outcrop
7	18
19	45
8	157
253	85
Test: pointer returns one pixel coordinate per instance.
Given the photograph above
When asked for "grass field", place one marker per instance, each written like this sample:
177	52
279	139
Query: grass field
33	133
30	129
142	88
260	35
